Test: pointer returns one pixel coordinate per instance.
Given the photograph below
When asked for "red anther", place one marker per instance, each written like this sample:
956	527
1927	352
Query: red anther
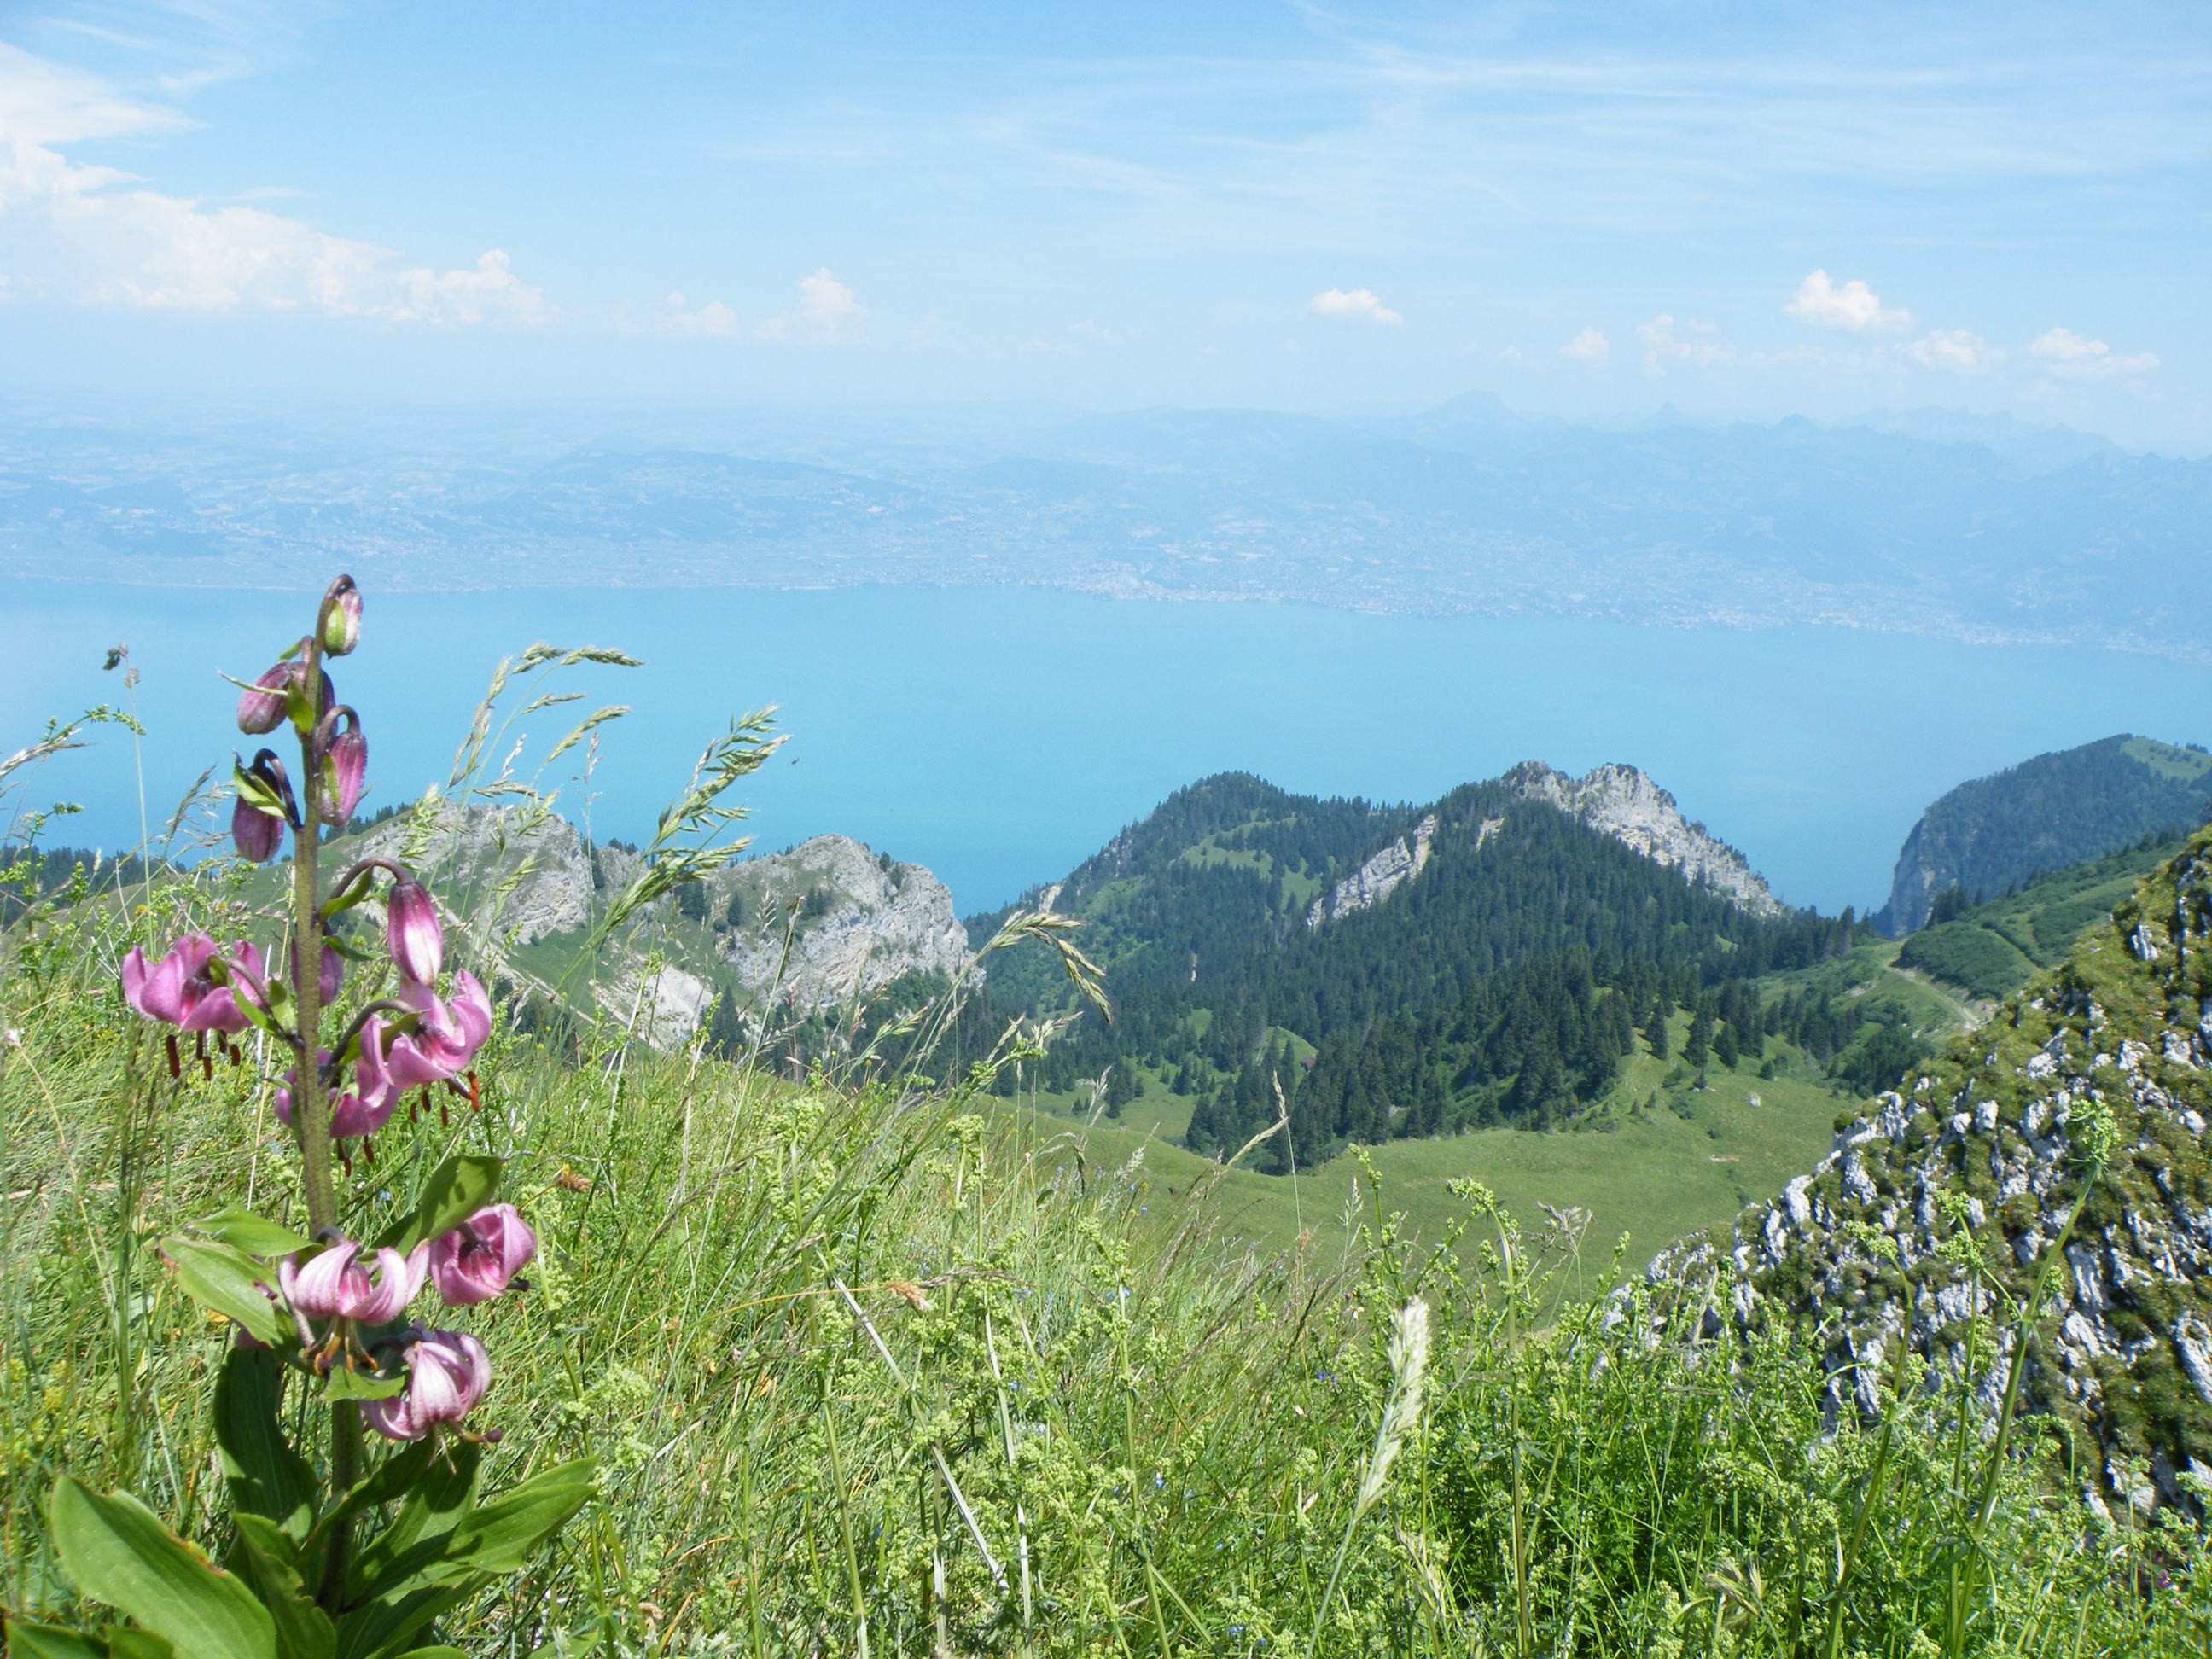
369	1153
207	1068
345	1157
234	1052
443	1118
475	1093
176	1059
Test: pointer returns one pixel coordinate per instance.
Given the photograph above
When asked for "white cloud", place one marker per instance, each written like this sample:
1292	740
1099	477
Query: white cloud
712	321
1588	347
94	234
1355	302
1661	347
827	314
2079	358
1854	305
1957	348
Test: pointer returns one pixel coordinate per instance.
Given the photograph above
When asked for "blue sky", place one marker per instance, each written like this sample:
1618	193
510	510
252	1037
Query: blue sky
1741	209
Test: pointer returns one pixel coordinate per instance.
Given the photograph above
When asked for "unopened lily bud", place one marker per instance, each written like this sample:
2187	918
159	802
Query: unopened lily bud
341	617
448	1372
411	926
256	834
345	765
261	708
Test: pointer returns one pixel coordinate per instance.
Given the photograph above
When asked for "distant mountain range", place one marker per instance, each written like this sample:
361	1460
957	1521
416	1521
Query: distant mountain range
1990	835
1935	523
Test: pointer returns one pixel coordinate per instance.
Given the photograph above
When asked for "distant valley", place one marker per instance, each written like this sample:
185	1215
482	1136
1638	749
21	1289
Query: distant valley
1933	524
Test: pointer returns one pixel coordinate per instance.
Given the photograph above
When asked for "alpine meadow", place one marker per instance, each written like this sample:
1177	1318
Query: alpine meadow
1270	831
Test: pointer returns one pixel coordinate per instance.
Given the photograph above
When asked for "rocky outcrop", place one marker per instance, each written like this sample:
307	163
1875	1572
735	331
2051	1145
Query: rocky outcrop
1991	1145
855	920
516	875
1398	862
1622	802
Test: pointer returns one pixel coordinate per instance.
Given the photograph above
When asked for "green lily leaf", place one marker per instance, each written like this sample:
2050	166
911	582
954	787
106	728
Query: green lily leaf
52	1642
304	1629
501	1536
226	1279
252	1233
344	1385
443	1493
456	1190
120	1553
268	1479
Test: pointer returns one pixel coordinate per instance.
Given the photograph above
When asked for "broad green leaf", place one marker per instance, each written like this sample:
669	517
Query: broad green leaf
227	1280
120	1553
443	1494
304	1629
52	1642
456	1190
501	1536
392	1480
267	1477
253	1234
434	1653
387	1626
344	1385
138	1644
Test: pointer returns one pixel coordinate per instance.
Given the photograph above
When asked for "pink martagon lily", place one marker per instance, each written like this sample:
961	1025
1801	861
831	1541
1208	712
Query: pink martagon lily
355	1112
180	989
478	1259
447	1037
335	1285
448	1372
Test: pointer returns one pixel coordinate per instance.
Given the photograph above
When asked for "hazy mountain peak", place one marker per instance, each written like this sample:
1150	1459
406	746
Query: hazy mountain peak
1623	802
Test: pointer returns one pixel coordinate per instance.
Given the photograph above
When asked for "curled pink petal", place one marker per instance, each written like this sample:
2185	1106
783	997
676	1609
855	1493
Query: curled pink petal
448	1372
327	1283
416	938
478	1259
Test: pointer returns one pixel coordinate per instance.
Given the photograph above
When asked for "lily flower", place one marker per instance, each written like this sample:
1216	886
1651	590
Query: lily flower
447	1035
416	938
181	989
345	765
333	1284
478	1259
448	1372
355	1113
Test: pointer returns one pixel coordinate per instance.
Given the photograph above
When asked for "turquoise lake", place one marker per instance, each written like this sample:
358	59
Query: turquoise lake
1000	735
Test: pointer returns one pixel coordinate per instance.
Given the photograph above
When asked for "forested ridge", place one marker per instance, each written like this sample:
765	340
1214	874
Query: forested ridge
1504	984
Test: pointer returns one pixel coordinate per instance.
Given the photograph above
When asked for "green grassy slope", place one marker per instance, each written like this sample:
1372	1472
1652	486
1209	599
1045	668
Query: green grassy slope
1996	948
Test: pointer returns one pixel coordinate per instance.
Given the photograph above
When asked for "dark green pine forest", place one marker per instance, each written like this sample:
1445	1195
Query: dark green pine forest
1503	986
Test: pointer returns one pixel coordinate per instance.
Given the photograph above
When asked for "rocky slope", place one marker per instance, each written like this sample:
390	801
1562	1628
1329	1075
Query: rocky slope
853	919
857	921
1983	1156
1397	862
1622	802
2055	811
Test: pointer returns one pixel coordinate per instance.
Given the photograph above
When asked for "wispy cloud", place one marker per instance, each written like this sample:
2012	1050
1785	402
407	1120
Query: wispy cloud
1853	306
82	232
1588	347
828	313
2076	357
1358	302
1957	349
1663	349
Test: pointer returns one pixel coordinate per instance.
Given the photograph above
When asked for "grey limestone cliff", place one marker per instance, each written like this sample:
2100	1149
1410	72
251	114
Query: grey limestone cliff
1622	802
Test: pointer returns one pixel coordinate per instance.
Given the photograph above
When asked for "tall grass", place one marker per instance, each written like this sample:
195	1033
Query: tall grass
873	1367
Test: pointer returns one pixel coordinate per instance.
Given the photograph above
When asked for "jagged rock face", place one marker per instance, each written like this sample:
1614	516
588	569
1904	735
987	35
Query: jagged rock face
1988	1144
469	853
872	923
1622	802
1398	862
664	1010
